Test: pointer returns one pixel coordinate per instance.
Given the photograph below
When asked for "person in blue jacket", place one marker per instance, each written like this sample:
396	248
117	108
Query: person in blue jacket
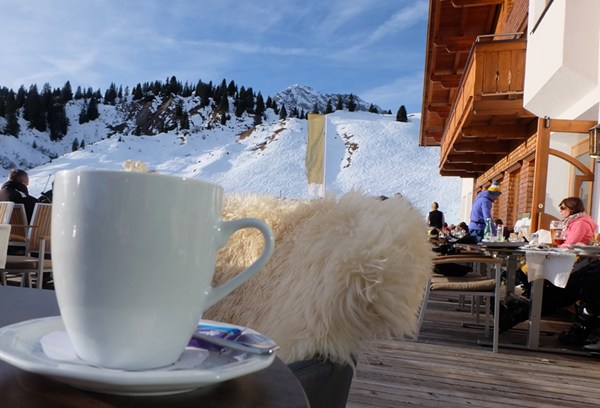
482	209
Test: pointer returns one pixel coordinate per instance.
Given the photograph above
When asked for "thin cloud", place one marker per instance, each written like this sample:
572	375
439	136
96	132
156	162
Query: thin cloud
406	90
340	44
401	21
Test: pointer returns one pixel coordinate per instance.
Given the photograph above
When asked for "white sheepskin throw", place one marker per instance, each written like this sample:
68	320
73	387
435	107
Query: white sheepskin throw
343	271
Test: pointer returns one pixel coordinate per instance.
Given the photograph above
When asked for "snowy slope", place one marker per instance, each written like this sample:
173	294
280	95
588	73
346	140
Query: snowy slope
365	151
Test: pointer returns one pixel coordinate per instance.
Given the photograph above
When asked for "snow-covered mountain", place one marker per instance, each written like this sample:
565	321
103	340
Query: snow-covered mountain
366	151
305	98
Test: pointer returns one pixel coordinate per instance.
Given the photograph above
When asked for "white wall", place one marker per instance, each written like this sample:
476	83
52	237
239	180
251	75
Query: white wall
559	170
563	56
466	199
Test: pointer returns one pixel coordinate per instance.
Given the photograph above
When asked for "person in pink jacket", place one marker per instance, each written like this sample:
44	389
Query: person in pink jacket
578	227
582	289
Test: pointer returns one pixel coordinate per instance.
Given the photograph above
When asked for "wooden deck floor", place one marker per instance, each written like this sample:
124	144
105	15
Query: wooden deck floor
448	368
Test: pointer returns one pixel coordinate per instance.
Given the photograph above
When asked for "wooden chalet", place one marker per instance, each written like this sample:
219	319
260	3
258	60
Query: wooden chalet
493	113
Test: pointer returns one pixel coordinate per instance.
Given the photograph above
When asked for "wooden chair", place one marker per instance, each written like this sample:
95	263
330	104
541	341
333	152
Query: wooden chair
6	209
6	266
4	237
19	226
34	262
472	284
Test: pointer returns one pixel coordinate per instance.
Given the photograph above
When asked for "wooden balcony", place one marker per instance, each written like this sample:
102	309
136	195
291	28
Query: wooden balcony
487	119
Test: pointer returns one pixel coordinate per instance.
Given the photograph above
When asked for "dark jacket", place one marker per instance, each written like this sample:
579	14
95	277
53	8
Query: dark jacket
18	193
436	219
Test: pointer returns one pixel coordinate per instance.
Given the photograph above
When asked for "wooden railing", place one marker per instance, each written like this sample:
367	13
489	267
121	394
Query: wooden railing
495	73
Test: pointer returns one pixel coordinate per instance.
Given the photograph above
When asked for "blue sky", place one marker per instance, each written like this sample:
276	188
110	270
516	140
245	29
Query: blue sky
372	48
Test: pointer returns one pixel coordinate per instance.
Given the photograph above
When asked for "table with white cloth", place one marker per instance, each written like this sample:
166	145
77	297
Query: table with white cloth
554	265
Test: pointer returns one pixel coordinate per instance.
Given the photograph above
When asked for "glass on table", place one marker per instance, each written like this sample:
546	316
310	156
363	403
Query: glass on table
556	229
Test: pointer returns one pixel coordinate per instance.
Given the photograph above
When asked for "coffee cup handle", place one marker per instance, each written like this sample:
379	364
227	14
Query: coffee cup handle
227	229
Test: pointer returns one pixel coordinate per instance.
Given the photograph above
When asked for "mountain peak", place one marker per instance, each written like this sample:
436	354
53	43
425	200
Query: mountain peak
304	98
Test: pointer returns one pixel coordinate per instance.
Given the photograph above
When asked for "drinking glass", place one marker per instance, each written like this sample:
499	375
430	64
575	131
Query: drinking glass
556	228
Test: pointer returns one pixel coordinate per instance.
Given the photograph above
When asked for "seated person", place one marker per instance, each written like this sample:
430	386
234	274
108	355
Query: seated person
15	190
578	228
460	231
46	196
505	231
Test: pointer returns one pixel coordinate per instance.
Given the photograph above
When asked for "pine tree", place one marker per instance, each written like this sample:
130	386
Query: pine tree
82	144
259	110
137	93
329	107
88	93
339	104
282	112
223	104
373	109
83	117
21	97
75	145
110	96
351	103
401	115
57	121
240	105
66	93
231	89
184	122
315	109
12	121
173	87
260	104
34	110
92	110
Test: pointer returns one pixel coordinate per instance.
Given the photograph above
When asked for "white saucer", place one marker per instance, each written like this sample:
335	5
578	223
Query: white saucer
20	346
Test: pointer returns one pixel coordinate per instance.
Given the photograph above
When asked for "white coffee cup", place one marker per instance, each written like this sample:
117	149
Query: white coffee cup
133	260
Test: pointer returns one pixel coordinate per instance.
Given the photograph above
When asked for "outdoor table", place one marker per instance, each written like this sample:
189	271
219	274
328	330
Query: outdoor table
512	256
275	386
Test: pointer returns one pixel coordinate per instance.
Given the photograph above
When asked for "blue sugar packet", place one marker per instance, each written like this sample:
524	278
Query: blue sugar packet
224	332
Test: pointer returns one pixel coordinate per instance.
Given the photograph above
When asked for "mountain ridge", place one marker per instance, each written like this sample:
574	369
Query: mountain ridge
365	151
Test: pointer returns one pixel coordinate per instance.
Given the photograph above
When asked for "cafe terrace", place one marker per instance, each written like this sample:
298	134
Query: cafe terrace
511	94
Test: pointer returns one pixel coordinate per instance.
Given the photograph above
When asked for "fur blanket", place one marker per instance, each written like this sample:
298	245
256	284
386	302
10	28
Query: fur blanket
343	271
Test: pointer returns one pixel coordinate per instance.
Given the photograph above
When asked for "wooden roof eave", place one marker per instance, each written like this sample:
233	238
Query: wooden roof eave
438	22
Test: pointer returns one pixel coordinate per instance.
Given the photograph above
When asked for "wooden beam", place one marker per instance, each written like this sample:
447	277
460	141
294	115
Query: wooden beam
459	173
439	108
507	107
447	80
571	126
500	132
454	44
480	168
481	147
475	3
469	158
540	174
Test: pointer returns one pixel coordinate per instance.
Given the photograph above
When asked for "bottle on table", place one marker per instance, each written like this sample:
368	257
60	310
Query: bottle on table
488	232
